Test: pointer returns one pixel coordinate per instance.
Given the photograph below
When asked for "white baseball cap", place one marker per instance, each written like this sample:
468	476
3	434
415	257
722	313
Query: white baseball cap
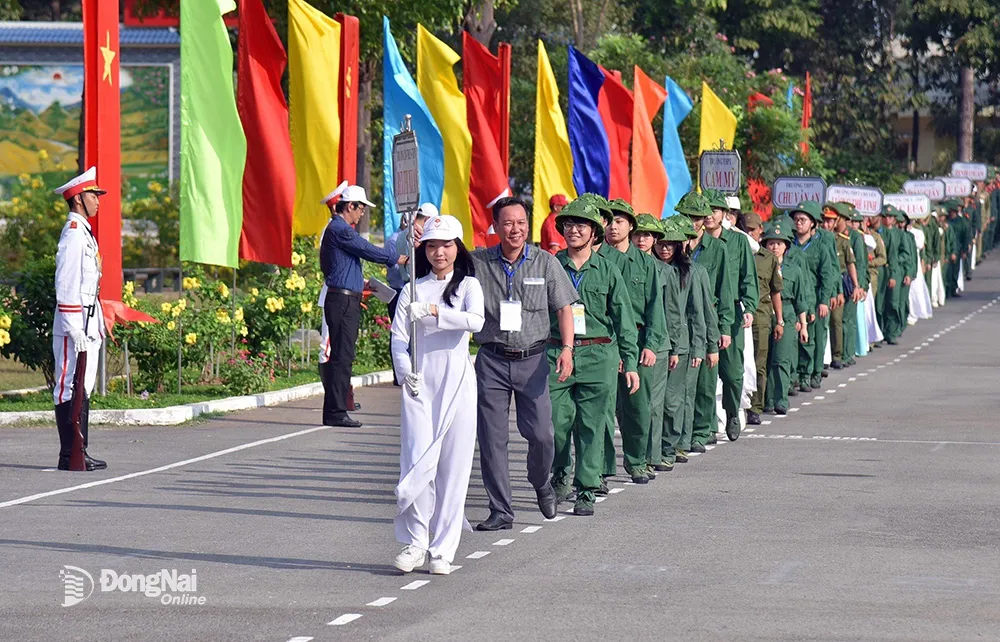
442	228
733	202
356	194
327	200
429	210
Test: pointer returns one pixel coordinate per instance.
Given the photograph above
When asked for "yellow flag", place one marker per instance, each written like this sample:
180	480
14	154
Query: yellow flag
717	122
314	119
553	159
437	84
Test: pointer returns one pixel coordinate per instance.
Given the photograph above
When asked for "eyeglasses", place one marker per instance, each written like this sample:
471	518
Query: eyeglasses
572	225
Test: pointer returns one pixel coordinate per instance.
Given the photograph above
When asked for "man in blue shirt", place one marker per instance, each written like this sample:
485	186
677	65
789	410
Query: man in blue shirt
340	257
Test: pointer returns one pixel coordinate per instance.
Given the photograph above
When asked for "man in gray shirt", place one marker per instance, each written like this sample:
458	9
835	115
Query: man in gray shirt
521	285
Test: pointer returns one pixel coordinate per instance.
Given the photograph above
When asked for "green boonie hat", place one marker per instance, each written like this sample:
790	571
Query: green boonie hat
716	199
649	223
684	226
810	208
841	208
902	216
856	216
889	210
620	207
694	204
776	231
672	228
951	204
600	204
584	210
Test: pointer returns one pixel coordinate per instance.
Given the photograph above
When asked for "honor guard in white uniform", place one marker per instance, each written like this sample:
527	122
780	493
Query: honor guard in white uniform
78	326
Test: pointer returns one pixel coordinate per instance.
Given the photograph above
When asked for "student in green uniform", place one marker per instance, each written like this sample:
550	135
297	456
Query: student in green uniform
646	293
843	317
877	261
768	308
710	253
897	257
648	231
912	262
820	266
604	336
743	276
853	229
791	328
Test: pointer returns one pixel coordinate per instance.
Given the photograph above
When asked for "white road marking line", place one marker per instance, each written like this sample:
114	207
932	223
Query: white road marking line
477	555
346	618
780	416
49	470
693	454
752	429
843	385
793	410
615	491
707	447
763	423
598	500
382	601
160	469
807	403
531	529
414	585
503	542
853	379
299	639
819	397
830	392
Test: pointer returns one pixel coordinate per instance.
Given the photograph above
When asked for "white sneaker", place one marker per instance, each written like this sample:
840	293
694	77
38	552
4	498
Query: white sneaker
410	558
439	566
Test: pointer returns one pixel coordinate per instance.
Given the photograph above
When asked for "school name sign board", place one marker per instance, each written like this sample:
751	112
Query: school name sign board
788	191
915	205
865	199
720	170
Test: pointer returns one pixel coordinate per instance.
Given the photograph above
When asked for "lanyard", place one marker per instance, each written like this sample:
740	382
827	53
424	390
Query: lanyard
576	278
694	257
510	272
806	247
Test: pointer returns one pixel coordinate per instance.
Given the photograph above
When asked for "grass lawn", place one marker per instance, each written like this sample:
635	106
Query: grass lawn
14	376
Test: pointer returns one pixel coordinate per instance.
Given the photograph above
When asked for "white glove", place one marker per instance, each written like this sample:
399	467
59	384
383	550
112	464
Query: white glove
418	310
79	338
412	383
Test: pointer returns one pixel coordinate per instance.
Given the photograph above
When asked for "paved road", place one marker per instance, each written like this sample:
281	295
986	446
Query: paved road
869	514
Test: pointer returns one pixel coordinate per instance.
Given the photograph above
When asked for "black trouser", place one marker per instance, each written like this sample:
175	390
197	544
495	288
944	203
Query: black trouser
392	317
343	313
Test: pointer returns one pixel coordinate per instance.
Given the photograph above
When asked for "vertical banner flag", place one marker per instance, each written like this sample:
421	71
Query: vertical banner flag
102	133
717	122
807	111
350	43
439	87
587	137
649	176
399	98
553	158
213	146
677	107
483	78
269	173
615	106
314	58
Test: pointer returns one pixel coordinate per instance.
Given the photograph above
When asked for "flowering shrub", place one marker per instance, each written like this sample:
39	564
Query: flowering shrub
246	374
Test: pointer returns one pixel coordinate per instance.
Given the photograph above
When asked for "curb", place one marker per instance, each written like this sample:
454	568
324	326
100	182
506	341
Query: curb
173	415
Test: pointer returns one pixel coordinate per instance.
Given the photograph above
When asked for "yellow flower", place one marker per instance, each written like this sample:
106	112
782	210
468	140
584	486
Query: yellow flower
129	287
165	307
24	179
171	325
307	307
4	322
297	258
166	200
295	282
224	290
155	187
15	201
243	331
36	183
43	155
222	316
191	338
190	283
254	291
275	304
238	315
4	337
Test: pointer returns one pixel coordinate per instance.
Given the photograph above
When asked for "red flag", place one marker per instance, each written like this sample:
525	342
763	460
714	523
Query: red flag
649	176
757	99
760	196
615	106
349	45
483	81
102	132
269	177
807	112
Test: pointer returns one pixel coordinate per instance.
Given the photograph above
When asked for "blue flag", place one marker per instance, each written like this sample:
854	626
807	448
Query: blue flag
401	97
789	96
675	110
588	140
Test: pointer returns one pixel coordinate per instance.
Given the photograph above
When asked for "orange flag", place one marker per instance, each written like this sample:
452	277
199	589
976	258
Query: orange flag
649	176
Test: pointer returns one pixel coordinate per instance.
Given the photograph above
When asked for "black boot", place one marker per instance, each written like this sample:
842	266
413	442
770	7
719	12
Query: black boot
92	464
64	424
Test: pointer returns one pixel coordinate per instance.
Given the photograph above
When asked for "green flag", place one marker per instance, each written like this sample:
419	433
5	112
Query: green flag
213	146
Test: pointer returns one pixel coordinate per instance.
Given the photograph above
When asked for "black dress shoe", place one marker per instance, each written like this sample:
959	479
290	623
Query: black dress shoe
495	522
712	440
343	422
825	373
94	464
753	419
778	410
793	392
89	465
733	428
603	491
698	448
891	342
836	365
547	502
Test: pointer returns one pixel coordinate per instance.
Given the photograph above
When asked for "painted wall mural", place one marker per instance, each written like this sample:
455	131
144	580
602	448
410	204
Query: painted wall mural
40	109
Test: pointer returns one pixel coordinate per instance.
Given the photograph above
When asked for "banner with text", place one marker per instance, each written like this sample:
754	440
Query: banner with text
915	205
789	191
865	199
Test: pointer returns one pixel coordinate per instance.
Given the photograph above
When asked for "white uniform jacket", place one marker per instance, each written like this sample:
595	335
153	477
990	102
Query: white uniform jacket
78	275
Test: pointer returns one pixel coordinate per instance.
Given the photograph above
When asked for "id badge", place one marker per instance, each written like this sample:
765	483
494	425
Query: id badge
579	319
510	316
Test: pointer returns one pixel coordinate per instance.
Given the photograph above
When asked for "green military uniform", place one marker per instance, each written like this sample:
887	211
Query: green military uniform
820	264
845	257
891	298
743	277
769	283
912	267
710	254
877	261
609	335
795	300
645	291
